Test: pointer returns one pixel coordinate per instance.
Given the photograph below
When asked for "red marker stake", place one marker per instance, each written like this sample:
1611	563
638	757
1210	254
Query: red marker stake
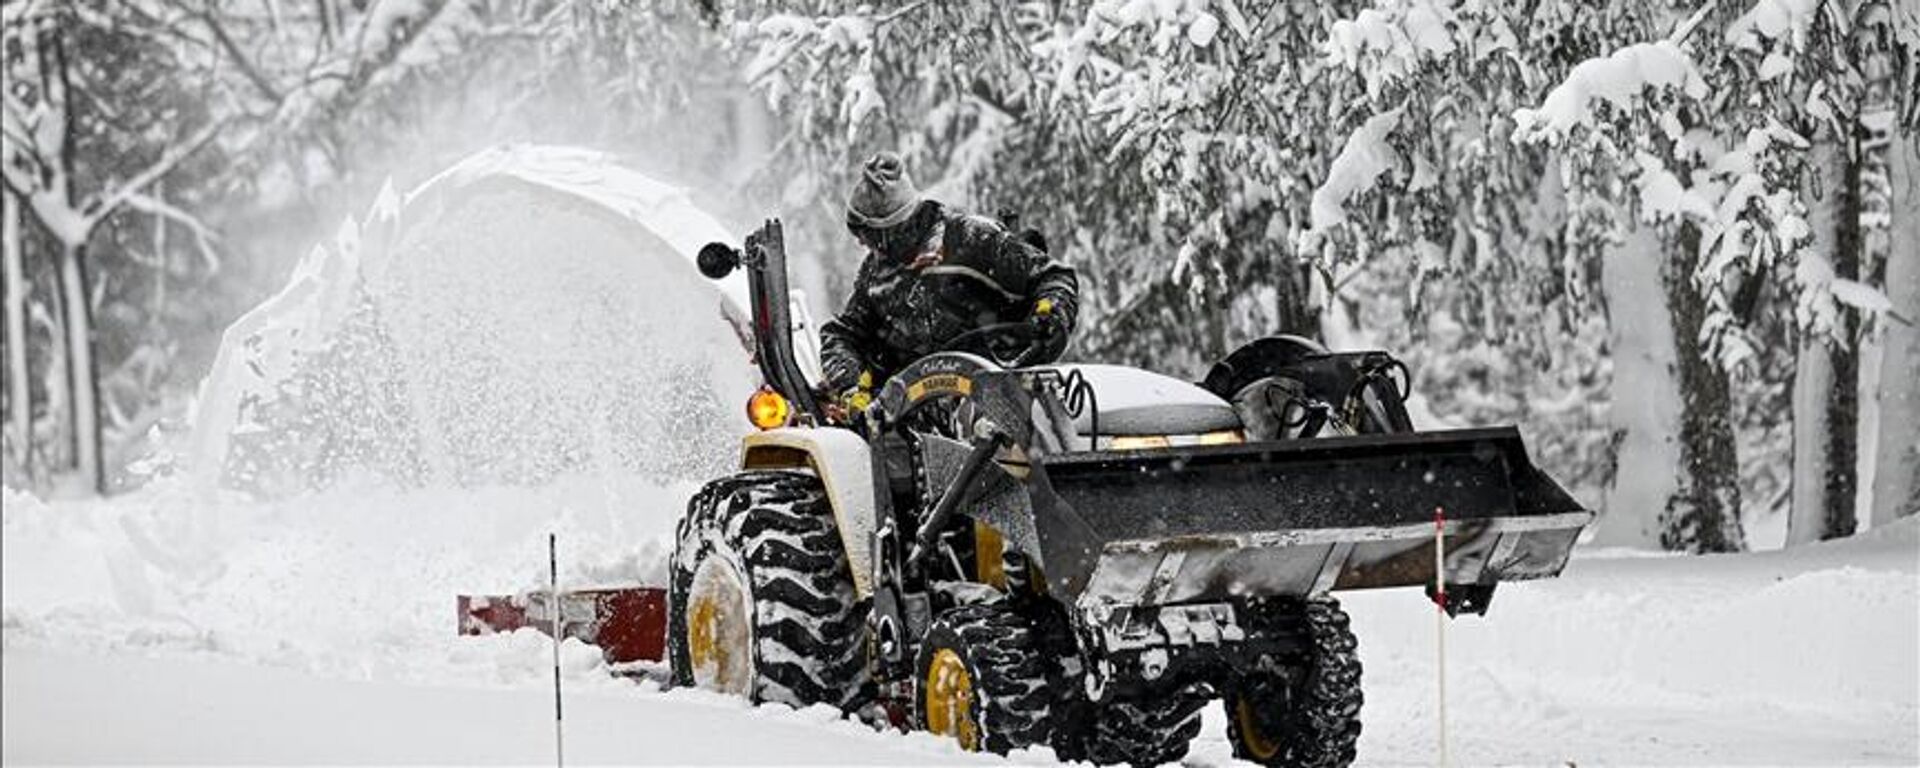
553	604
1440	624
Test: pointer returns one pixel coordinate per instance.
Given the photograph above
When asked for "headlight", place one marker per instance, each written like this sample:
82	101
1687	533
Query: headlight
1223	437
767	409
1137	442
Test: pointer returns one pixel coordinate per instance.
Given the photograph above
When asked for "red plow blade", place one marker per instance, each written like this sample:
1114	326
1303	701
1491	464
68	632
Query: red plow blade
627	623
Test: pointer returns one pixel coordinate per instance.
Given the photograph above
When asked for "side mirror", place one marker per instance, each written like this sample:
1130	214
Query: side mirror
717	260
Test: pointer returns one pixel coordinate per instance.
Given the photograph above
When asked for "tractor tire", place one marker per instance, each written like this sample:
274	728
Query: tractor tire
1309	717
982	681
1147	732
761	601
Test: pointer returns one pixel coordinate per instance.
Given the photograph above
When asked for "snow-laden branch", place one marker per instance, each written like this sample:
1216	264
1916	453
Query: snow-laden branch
1691	24
16	153
104	205
1617	81
241	60
1361	162
204	237
1388	45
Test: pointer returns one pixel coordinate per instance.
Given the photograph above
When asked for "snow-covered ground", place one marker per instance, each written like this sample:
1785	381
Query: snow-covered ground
157	628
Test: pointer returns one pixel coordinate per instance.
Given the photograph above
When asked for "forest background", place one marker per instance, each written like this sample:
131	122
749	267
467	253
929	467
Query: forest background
1677	242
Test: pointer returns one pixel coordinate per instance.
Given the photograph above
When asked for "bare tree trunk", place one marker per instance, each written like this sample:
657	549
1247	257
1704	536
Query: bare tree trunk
1703	515
1645	401
56	454
1825	396
82	378
19	385
1297	309
1896	477
75	289
1812	378
1843	397
1888	372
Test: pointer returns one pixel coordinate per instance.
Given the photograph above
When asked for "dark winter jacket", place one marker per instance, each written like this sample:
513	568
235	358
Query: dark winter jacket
972	273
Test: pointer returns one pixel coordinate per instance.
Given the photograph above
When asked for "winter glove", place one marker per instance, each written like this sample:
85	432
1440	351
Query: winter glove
855	399
1050	330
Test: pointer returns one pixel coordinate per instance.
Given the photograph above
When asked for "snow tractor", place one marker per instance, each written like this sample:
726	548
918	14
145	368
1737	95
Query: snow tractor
1084	556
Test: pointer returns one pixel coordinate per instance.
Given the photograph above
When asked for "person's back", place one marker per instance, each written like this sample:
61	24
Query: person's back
931	274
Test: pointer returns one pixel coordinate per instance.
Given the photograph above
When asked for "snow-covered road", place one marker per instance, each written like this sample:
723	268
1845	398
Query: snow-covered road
1785	658
64	707
154	629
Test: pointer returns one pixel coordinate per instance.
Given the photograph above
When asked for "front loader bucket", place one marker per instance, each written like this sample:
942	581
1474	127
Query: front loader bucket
1298	517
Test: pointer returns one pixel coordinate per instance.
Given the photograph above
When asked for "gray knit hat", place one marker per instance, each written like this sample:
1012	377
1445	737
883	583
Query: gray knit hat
884	196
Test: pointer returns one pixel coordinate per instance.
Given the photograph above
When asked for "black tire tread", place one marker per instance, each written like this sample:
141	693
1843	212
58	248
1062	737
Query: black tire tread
808	624
1013	701
1325	721
1145	732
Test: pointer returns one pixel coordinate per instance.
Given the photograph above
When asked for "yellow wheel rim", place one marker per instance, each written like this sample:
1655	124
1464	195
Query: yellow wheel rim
949	700
1258	745
719	637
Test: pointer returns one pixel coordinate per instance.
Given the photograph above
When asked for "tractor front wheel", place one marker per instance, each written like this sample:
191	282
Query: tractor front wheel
761	601
1308	715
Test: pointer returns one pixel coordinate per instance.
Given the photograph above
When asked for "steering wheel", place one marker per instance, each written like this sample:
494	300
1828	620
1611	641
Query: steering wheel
991	340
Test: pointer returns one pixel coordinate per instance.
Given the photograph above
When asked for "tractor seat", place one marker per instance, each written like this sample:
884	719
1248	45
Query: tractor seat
1133	401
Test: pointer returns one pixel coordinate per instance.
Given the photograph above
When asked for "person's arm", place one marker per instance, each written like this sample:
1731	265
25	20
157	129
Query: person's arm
847	341
1050	286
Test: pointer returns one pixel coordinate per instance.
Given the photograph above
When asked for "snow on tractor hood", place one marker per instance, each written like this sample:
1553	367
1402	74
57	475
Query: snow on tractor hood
1134	401
528	313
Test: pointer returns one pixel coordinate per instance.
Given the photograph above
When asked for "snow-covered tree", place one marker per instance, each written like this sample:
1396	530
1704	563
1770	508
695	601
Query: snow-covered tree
1168	147
1824	70
76	155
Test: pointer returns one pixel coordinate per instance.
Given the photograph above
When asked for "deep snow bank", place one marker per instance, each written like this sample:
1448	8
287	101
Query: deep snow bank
354	584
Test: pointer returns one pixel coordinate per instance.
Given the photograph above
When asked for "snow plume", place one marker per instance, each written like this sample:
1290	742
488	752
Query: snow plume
530	314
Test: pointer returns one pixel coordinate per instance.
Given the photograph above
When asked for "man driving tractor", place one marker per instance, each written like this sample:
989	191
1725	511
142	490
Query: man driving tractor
1012	558
930	276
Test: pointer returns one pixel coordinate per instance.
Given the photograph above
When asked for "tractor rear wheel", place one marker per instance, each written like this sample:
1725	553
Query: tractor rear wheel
981	680
1307	716
761	601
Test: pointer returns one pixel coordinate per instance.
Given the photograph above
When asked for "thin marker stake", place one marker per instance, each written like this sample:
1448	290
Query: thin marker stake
1440	625
553	605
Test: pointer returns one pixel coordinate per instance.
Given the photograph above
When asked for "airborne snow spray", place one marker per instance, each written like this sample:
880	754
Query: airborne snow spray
1440	624
553	606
